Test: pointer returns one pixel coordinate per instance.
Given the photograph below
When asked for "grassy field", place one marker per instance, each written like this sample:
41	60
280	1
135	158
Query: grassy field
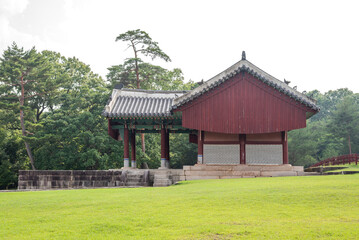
316	207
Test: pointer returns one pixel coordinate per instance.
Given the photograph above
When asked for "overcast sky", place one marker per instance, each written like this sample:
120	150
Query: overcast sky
313	44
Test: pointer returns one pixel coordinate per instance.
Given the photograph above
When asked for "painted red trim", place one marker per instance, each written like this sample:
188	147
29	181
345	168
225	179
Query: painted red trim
285	147
133	145
200	142
221	142
264	142
126	147
242	140
163	142
167	144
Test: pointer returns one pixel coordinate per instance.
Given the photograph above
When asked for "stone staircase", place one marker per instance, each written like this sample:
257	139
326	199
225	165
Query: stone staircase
133	178
162	178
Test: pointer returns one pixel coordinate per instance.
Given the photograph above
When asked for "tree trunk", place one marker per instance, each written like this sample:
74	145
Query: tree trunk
22	122
138	87
350	146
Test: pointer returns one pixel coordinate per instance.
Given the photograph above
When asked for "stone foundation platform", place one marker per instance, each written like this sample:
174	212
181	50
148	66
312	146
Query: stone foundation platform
202	171
75	179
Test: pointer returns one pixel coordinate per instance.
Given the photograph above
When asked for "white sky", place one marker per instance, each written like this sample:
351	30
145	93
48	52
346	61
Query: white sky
313	44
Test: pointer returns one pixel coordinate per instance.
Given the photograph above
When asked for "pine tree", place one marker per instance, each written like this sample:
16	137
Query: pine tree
23	77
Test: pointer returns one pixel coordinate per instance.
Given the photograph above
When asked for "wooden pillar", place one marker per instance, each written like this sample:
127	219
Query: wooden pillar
133	148
285	147
163	146
168	148
126	152
200	139
242	142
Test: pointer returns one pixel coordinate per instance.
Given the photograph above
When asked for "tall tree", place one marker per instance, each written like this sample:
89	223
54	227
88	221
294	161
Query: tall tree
141	44
345	120
23	78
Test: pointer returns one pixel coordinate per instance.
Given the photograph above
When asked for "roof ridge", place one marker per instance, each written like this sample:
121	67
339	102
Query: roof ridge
244	65
153	91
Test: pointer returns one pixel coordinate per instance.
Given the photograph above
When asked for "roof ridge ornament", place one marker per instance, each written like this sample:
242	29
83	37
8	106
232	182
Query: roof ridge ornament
243	55
119	86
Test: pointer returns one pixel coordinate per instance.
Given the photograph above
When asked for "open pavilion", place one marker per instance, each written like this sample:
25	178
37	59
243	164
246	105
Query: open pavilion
239	117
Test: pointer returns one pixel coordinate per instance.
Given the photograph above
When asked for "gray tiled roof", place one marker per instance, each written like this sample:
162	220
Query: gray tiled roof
247	66
140	103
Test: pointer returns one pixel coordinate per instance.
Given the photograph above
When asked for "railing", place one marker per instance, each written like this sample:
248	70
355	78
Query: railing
340	160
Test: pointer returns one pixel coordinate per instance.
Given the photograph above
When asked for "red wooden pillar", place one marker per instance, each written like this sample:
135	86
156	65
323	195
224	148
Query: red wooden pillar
126	152
242	142
163	146
168	148
200	147
133	148
285	147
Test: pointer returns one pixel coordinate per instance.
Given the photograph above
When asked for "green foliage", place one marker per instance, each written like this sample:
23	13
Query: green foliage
151	77
142	43
74	136
134	71
182	152
344	122
318	207
63	114
12	158
327	132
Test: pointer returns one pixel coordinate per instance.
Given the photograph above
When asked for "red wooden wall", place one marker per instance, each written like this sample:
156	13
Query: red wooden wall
243	105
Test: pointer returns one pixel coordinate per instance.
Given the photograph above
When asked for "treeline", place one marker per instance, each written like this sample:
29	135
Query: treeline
332	132
50	114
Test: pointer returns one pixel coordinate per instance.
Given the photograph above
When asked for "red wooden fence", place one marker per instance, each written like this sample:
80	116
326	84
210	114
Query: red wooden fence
340	160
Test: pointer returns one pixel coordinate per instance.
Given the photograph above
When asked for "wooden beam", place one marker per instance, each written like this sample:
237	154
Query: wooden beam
200	156
126	152
133	148
168	146
163	147
242	142
285	147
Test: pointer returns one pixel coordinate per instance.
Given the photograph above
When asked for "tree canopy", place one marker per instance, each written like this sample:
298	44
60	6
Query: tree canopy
50	110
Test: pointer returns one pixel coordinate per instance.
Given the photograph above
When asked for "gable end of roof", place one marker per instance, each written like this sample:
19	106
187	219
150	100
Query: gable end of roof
245	66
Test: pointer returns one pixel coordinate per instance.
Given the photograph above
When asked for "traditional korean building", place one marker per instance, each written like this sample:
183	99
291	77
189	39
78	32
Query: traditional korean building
240	116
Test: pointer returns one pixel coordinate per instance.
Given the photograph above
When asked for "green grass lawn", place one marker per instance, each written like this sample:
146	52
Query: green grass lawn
316	207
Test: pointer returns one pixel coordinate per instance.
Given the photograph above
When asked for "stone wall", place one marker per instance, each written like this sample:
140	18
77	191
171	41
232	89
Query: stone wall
64	179
67	179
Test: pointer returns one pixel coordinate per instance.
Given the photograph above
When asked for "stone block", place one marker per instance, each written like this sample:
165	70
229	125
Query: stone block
278	173
205	173
229	177
186	168
251	173
298	168
162	183
300	173
284	167
201	177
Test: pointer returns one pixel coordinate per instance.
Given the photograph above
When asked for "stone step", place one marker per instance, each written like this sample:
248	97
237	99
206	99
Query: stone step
134	177
278	173
201	177
160	177
162	183
298	168
133	184
222	173
205	167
